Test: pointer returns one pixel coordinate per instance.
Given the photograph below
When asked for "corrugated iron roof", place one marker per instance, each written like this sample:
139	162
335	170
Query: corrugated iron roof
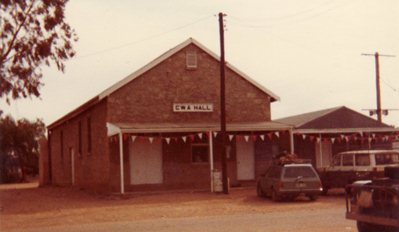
199	127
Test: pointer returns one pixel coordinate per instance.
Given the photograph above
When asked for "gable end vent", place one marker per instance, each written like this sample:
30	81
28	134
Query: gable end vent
191	60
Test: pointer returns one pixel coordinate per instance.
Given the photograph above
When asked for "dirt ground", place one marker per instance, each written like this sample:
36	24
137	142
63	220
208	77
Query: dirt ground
26	206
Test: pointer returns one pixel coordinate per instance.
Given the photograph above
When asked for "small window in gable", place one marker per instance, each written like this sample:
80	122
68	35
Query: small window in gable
191	60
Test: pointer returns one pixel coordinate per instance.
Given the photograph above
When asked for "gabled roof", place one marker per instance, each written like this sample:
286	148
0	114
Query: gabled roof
334	118
131	77
173	51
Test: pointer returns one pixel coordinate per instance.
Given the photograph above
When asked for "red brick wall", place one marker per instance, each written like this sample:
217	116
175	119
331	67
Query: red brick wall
91	168
149	98
179	170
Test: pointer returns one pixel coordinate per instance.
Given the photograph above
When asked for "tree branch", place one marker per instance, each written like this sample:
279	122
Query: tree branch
14	37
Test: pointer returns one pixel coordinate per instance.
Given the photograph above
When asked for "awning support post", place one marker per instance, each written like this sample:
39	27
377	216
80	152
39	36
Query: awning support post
211	158
321	150
121	162
292	148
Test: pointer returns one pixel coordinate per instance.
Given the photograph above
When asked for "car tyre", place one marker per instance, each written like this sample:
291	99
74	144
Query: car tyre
325	191
275	195
313	197
259	191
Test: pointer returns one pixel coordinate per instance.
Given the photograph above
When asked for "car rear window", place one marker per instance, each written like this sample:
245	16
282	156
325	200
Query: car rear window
294	172
386	158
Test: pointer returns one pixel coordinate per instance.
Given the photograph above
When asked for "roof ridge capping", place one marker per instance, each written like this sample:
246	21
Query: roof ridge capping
173	51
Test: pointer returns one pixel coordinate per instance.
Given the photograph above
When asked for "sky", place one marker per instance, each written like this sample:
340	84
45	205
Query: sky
309	53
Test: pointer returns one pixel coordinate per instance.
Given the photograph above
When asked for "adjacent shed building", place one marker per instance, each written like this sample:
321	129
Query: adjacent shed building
158	128
320	134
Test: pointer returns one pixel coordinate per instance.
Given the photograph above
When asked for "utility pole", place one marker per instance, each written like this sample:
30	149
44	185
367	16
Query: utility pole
223	107
378	89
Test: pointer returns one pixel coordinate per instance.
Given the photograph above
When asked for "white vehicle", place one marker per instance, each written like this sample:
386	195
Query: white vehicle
350	166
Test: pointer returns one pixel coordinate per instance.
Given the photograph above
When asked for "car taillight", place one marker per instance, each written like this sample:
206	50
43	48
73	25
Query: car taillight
320	186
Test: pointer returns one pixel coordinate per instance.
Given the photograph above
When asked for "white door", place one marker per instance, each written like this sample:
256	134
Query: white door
323	154
245	160
145	162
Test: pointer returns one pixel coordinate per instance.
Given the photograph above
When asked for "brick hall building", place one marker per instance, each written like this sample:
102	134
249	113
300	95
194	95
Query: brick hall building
159	128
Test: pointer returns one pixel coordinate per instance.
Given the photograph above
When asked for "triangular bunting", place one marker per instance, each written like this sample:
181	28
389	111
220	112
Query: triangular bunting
133	137
167	140
262	137
246	137
151	139
215	133
277	134
200	135
184	138
270	135
231	137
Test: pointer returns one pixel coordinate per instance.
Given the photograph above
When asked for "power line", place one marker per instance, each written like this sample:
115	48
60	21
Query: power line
142	40
284	16
390	86
293	16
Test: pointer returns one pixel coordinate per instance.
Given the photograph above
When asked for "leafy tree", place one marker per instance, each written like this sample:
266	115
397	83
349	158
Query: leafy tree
33	33
19	146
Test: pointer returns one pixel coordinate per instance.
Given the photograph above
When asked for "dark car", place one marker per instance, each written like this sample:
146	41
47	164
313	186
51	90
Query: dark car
288	181
374	204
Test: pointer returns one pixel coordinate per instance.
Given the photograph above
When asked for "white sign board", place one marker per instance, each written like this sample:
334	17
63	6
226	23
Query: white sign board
192	107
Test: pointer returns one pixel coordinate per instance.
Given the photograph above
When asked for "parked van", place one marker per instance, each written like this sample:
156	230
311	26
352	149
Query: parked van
350	166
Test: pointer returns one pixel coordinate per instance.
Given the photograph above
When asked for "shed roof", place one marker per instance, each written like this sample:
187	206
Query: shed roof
338	118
